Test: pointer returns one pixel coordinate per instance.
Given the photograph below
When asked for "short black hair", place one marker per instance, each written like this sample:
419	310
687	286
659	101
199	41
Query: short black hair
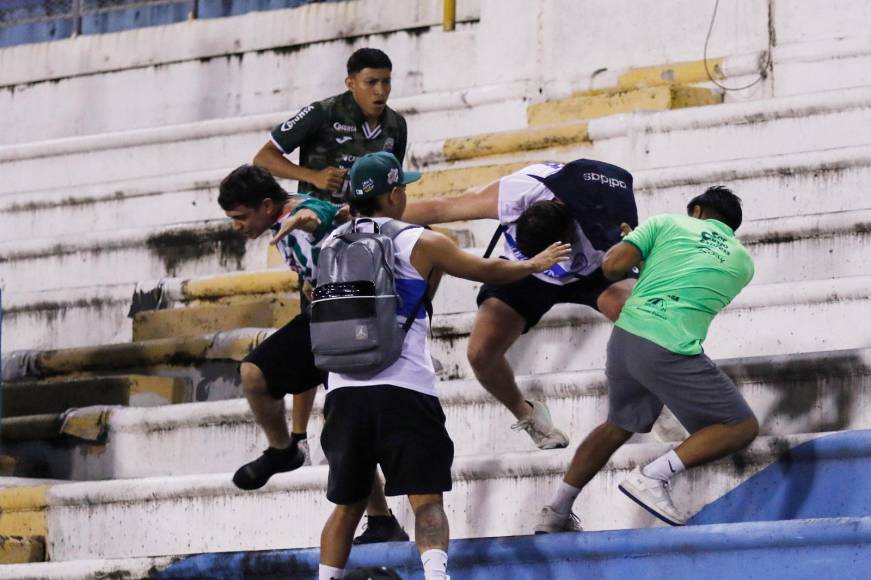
249	185
542	224
366	207
722	203
368	58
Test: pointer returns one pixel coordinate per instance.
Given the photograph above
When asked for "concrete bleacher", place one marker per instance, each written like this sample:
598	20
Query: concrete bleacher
142	480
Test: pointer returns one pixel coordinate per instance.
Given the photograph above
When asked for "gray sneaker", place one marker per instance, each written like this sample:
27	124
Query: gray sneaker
551	521
303	446
541	429
653	495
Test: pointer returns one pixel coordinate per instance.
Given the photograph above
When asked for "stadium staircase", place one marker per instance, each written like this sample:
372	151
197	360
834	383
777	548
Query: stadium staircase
120	432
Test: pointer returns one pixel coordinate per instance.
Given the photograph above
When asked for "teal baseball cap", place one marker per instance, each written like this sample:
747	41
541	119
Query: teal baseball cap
377	173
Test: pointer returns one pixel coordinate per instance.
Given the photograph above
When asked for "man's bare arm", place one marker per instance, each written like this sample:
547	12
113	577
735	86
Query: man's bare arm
476	203
273	160
436	251
618	260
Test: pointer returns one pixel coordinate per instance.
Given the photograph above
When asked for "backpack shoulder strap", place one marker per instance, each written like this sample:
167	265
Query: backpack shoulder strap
494	240
392	228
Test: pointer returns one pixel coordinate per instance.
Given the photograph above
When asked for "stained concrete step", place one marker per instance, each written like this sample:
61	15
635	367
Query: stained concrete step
223	143
778	126
492	496
188	249
791	394
765	319
611	101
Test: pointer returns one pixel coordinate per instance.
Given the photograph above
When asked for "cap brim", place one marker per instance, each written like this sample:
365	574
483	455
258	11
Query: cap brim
410	176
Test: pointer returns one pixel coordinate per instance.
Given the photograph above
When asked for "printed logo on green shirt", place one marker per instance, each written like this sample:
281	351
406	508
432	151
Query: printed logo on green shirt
714	244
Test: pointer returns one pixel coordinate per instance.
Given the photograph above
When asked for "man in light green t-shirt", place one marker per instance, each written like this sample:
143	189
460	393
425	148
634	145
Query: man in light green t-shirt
692	267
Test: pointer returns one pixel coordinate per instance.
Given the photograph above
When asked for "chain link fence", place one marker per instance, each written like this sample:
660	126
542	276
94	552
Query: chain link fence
24	21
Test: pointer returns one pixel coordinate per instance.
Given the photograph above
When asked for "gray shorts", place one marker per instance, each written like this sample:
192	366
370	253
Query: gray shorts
642	376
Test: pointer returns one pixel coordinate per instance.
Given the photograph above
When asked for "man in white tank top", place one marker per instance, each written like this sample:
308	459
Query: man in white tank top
394	419
531	215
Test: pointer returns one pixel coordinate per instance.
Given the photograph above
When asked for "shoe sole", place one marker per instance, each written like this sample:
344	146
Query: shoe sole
258	485
649	509
559	444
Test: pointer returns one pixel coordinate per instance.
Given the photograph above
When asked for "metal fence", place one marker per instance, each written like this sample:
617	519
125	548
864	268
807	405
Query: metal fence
25	21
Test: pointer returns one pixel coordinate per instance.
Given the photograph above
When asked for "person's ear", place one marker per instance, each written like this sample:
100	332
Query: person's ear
349	81
696	212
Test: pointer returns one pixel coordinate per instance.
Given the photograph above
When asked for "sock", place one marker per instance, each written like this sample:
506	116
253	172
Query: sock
297	437
564	498
664	468
330	573
435	564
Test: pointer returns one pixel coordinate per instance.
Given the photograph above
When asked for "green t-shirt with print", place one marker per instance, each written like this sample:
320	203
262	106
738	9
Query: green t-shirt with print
692	269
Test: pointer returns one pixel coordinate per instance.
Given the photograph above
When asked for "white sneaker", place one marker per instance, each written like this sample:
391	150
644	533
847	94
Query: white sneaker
653	495
551	521
541	429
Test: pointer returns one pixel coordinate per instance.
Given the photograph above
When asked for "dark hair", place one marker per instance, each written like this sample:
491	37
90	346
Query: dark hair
248	185
366	207
542	224
368	58
719	202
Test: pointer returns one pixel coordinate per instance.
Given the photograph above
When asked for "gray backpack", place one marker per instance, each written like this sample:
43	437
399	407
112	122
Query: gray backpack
354	329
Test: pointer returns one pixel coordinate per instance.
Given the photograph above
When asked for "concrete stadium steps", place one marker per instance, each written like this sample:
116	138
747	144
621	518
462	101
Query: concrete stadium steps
805	316
791	394
208	361
806	548
492	496
696	135
114	257
112	205
611	101
803	247
227	143
766	319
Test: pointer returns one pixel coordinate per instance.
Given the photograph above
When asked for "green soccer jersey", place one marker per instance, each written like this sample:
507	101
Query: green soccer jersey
334	133
692	269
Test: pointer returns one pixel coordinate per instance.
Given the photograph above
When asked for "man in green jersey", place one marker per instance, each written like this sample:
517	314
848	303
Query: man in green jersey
331	134
693	266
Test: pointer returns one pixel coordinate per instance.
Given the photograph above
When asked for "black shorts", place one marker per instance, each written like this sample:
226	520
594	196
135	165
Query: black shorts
401	430
286	360
532	298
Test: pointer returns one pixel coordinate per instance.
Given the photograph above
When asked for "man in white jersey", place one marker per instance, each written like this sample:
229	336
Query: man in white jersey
394	419
535	206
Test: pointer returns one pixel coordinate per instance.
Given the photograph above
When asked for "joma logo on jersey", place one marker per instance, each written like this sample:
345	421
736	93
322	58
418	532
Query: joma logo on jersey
288	125
344	128
610	181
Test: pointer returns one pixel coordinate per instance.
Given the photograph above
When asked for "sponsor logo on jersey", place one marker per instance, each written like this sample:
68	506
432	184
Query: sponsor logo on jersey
341	140
388	144
609	181
288	125
344	128
348	160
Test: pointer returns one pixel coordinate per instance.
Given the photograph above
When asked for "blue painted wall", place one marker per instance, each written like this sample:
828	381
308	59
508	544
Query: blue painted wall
60	25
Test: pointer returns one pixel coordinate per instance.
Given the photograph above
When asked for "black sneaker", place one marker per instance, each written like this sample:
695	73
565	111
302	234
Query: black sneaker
379	529
254	475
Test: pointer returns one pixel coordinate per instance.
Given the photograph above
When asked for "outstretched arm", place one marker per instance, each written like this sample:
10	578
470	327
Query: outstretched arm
618	260
436	251
476	203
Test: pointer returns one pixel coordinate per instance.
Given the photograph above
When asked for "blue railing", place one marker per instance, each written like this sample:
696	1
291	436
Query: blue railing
27	21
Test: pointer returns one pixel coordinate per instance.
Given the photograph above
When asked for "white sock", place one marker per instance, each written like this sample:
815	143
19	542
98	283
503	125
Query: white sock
330	573
564	498
664	468
435	564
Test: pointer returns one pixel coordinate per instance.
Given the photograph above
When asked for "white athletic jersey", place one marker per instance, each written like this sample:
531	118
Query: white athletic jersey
298	249
413	369
517	192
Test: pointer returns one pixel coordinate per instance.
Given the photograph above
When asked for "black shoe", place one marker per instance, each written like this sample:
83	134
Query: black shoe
254	475
381	529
